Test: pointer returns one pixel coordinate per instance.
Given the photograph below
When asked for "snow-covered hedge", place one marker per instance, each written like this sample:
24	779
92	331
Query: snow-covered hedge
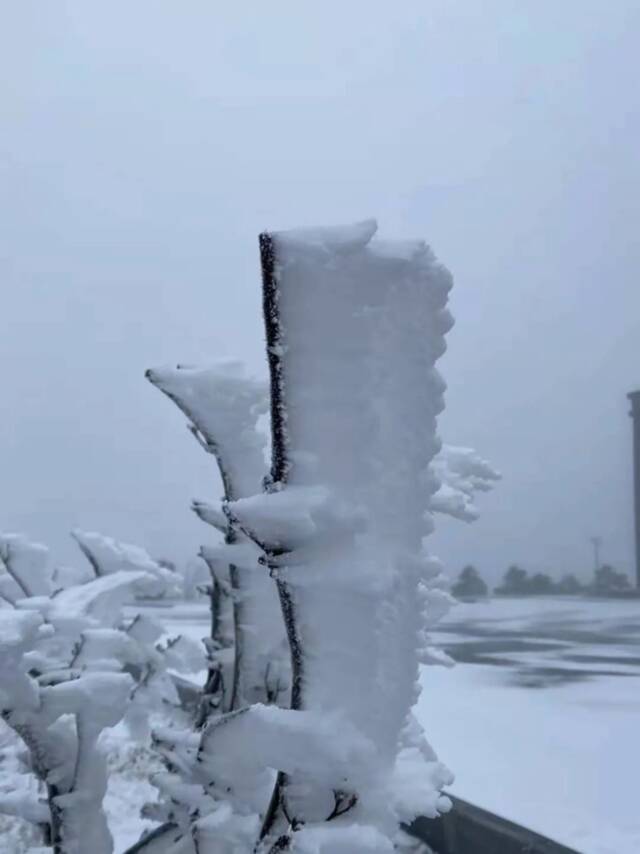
71	665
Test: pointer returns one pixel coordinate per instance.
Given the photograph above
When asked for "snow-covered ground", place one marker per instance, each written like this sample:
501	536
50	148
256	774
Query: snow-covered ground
541	721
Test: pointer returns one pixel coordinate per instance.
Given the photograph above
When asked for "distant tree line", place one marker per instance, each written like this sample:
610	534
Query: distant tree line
606	581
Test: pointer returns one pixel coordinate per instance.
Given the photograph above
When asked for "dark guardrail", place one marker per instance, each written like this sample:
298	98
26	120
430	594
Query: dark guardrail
467	829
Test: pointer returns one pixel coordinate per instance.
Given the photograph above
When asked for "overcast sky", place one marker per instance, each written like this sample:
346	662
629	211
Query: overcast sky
143	146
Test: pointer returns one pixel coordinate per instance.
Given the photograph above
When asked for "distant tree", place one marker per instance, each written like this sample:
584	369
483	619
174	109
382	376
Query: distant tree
568	585
515	582
469	585
540	584
608	580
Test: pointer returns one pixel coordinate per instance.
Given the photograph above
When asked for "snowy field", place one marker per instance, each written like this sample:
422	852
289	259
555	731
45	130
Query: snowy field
539	721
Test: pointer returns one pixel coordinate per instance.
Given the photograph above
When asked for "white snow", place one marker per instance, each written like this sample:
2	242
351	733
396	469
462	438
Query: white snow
292	741
223	405
337	540
99	598
360	326
329	239
108	556
461	473
246	647
69	669
25	564
561	759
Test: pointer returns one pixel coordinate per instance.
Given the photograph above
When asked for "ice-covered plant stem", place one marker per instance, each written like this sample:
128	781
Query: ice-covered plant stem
223	407
331	554
354	327
246	648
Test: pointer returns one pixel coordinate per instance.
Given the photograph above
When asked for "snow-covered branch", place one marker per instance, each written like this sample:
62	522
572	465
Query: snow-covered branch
224	406
107	556
71	665
461	473
246	648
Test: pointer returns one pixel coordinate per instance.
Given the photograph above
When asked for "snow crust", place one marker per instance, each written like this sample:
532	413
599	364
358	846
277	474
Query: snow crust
108	556
71	667
328	240
462	472
247	654
25	566
322	586
359	326
223	406
538	756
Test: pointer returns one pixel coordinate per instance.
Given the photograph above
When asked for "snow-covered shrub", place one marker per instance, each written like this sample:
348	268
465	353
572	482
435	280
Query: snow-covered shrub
247	650
106	556
247	639
157	664
332	553
71	665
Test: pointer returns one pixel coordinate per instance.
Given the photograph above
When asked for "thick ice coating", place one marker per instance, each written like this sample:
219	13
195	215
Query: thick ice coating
223	405
354	329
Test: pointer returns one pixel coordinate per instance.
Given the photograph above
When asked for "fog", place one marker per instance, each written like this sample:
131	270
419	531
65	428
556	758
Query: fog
144	146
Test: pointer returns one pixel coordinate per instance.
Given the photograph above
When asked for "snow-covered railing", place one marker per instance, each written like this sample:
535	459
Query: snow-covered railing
468	829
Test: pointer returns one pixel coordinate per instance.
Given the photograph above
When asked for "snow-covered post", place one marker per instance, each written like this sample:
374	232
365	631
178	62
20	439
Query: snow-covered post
354	327
223	406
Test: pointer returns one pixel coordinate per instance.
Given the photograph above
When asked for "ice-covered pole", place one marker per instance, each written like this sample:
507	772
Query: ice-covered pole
634	397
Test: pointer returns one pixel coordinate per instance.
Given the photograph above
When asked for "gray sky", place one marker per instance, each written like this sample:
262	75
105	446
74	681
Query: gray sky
144	145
